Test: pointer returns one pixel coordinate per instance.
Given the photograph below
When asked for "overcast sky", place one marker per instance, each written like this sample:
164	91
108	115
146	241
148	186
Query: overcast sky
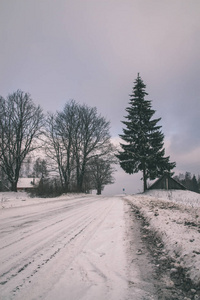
92	50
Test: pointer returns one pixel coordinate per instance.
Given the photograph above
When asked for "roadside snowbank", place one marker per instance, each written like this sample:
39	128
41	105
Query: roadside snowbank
175	217
187	198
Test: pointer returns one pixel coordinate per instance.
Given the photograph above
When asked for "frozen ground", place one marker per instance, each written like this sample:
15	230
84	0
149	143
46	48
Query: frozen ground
174	217
89	247
71	247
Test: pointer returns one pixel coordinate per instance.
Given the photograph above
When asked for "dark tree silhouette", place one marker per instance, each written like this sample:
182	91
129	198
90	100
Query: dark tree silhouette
20	127
143	148
100	173
74	137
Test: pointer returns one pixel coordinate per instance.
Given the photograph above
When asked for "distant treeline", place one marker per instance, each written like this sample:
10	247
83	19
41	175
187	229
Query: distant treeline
191	182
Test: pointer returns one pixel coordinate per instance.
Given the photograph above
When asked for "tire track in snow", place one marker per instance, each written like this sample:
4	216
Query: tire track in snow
14	222
38	249
21	234
99	270
30	241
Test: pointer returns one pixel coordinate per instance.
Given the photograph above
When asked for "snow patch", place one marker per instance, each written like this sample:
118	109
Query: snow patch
175	217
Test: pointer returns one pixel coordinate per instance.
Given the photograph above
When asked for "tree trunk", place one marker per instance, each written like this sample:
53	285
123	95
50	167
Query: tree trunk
14	186
144	180
99	191
99	188
80	178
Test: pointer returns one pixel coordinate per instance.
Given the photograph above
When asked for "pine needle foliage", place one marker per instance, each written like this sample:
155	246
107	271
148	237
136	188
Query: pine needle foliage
143	139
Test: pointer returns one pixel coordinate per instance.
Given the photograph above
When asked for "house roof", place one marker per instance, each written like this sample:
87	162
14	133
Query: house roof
167	182
27	183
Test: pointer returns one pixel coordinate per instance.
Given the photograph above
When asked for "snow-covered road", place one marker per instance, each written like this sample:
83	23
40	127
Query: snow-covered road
71	249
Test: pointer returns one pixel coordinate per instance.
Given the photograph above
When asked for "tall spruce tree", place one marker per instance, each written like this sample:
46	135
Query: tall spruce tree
143	148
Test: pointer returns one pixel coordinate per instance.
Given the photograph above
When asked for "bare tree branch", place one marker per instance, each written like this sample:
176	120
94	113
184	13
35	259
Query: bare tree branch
20	127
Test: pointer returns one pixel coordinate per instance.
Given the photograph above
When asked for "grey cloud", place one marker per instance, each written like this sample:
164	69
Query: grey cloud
91	51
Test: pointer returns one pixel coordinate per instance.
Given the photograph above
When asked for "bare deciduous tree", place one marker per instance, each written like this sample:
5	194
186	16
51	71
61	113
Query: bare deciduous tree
20	126
74	137
60	132
100	171
92	138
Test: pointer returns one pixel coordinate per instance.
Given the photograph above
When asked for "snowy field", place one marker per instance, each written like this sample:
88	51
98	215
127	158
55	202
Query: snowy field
86	247
175	217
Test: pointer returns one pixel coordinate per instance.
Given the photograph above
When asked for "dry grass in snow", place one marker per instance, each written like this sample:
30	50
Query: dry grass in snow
175	217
